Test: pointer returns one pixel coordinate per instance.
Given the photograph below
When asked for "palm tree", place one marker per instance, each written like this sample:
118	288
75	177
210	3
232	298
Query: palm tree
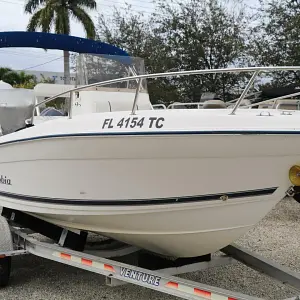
4	71
57	13
15	78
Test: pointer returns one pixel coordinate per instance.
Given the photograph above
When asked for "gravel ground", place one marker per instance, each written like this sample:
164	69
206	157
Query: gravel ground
275	237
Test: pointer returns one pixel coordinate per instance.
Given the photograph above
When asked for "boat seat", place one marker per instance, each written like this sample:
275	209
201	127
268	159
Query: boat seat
214	104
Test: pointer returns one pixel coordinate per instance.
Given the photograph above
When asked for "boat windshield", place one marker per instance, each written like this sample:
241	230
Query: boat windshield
92	68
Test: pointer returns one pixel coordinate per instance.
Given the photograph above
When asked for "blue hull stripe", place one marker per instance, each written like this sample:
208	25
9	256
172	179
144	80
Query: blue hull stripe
159	201
158	133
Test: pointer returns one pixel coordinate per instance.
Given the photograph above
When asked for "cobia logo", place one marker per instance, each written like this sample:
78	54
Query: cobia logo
5	180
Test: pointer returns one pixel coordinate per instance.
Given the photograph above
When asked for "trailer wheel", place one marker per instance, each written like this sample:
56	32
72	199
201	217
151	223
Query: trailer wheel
6	244
5	267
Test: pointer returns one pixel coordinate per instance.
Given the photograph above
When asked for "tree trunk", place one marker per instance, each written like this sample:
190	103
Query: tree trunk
67	79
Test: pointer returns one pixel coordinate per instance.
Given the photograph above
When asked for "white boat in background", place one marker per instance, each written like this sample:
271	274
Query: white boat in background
176	182
16	105
284	98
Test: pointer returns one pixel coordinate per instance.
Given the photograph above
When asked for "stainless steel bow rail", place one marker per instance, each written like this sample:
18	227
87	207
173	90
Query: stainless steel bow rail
15	241
139	78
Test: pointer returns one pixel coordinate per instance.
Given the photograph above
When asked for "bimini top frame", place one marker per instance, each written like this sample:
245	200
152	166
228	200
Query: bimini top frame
256	71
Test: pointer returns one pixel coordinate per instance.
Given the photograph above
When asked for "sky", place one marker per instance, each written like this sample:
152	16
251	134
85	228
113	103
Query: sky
13	18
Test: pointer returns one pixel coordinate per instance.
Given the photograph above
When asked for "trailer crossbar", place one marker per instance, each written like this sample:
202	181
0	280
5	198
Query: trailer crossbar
13	253
264	265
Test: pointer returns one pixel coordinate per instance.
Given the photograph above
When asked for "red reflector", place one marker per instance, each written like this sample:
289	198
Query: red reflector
231	298
2	256
173	285
65	256
202	293
86	262
109	268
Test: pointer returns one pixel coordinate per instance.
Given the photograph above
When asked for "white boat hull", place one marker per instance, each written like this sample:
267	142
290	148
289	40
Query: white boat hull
181	230
177	194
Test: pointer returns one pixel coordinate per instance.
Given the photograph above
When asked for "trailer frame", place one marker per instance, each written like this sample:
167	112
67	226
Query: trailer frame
18	241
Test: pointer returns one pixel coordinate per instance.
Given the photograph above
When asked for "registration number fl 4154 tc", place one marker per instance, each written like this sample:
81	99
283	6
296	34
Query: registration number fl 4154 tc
134	122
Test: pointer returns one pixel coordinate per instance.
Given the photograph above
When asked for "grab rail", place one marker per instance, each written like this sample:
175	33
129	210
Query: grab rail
173	105
159	105
256	71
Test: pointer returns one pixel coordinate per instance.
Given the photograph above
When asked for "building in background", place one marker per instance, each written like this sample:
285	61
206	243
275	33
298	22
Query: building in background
57	76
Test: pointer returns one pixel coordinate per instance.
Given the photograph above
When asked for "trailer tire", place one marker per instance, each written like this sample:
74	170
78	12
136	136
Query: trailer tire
6	244
5	267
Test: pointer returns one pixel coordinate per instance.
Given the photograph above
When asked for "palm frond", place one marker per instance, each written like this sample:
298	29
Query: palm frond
34	21
80	15
32	5
91	4
62	20
46	18
58	26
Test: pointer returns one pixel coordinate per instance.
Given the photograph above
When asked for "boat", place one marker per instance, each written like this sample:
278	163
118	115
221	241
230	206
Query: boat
181	183
284	98
16	105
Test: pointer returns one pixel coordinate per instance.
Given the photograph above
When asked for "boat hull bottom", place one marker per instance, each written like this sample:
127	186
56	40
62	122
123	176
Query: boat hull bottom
188	244
178	230
176	244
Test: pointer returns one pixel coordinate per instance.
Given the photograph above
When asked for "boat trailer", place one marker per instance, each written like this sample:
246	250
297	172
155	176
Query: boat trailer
131	265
